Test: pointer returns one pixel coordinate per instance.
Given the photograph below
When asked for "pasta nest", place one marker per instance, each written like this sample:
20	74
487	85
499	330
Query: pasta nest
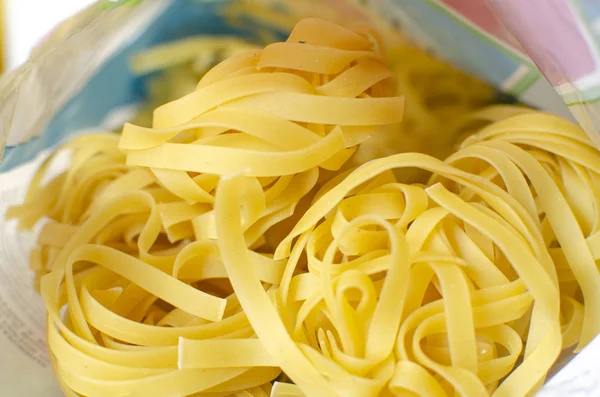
447	286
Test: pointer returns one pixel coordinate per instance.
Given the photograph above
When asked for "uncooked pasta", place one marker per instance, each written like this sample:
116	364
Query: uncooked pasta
239	245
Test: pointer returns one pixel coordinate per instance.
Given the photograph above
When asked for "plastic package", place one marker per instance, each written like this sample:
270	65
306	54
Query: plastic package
525	48
79	78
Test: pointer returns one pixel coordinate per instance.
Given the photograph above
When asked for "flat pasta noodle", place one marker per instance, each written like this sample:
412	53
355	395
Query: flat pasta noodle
240	244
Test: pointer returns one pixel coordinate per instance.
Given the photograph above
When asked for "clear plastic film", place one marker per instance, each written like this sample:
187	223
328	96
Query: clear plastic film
525	48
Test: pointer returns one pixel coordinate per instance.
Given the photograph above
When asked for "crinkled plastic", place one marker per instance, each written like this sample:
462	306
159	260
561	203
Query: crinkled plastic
524	47
544	52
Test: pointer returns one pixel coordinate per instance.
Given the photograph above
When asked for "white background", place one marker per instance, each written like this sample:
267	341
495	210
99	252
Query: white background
27	21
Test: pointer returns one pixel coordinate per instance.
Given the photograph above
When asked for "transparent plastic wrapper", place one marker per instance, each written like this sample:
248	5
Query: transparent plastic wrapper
79	79
525	48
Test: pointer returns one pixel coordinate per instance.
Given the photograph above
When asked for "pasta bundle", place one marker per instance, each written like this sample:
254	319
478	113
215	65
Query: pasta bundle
456	282
132	246
235	249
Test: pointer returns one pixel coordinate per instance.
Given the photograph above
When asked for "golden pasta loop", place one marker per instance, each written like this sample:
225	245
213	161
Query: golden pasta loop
254	299
566	228
456	378
219	101
542	345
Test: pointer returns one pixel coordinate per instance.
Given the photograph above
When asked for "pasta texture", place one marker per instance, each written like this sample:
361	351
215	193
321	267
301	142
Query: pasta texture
177	67
238	247
437	95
